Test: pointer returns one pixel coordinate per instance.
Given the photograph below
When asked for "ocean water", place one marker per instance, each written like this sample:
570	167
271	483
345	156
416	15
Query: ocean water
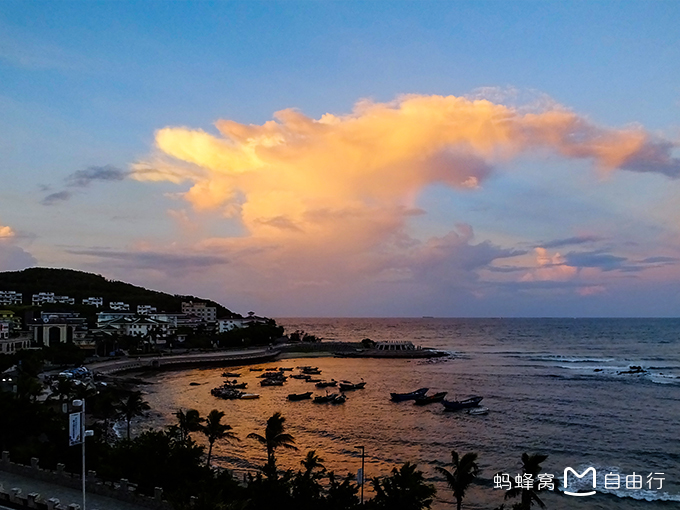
553	386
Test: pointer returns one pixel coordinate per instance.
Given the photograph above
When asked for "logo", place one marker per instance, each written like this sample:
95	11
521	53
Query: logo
579	476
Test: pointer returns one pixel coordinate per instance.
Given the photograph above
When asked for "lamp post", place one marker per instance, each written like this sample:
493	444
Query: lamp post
83	434
363	475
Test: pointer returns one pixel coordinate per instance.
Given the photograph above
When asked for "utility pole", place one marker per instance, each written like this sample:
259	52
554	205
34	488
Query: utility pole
363	475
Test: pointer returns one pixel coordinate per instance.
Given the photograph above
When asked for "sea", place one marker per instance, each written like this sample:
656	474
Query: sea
556	387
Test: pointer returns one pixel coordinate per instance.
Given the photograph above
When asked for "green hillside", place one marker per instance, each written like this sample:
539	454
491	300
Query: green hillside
80	285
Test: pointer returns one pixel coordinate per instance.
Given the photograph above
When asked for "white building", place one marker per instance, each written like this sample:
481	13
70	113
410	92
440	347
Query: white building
200	310
4	330
103	317
42	297
65	300
224	325
119	305
145	309
94	301
10	297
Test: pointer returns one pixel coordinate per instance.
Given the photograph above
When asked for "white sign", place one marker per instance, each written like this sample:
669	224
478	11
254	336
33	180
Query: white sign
360	476
75	429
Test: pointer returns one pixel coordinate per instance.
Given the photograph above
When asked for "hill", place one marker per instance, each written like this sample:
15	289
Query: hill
80	285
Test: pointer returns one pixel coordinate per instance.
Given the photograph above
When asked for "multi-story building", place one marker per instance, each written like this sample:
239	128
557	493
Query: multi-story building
10	297
200	310
145	309
94	301
59	327
42	297
224	325
119	305
64	300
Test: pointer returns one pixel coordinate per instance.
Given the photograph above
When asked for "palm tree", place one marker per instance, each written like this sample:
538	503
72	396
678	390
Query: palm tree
311	462
188	422
464	472
404	489
133	406
214	429
274	437
531	465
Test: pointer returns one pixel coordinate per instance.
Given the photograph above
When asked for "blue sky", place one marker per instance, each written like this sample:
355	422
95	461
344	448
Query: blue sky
86	87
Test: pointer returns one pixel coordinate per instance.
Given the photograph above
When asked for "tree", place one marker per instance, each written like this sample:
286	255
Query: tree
133	406
405	489
531	465
214	429
188	422
464	472
274	437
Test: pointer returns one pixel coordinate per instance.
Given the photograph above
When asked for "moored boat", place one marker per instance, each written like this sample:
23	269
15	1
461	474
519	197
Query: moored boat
478	411
399	397
455	405
326	384
430	399
249	396
325	399
348	386
231	374
300	396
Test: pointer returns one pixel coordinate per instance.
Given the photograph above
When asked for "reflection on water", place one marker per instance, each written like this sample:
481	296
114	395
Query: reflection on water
538	378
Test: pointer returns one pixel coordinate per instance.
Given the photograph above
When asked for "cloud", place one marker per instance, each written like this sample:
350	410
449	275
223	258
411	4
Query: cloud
559	243
332	199
604	261
13	257
82	179
169	263
56	198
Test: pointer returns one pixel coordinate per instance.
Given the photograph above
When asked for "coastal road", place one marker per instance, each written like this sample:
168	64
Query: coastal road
110	367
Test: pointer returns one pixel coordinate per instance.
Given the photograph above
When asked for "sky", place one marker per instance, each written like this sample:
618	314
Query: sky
354	159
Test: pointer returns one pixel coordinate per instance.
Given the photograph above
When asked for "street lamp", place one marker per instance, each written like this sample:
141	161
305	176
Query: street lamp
79	435
363	456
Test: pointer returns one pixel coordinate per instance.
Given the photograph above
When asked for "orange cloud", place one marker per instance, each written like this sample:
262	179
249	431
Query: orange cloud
6	232
550	268
334	194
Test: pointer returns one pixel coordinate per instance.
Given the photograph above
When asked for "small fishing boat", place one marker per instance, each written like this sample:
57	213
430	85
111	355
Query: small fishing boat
455	405
271	382
249	396
430	399
226	393
300	396
326	384
478	411
300	376
256	369
231	374
325	399
285	369
311	370
234	385
340	399
399	397
348	386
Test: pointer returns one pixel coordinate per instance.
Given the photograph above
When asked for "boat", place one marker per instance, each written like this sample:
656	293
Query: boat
249	396
256	369
235	386
399	397
226	393
325	399
478	411
455	405
271	382
311	370
348	386
430	399
310	379
231	374
300	376
285	369
300	396
326	384
339	399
